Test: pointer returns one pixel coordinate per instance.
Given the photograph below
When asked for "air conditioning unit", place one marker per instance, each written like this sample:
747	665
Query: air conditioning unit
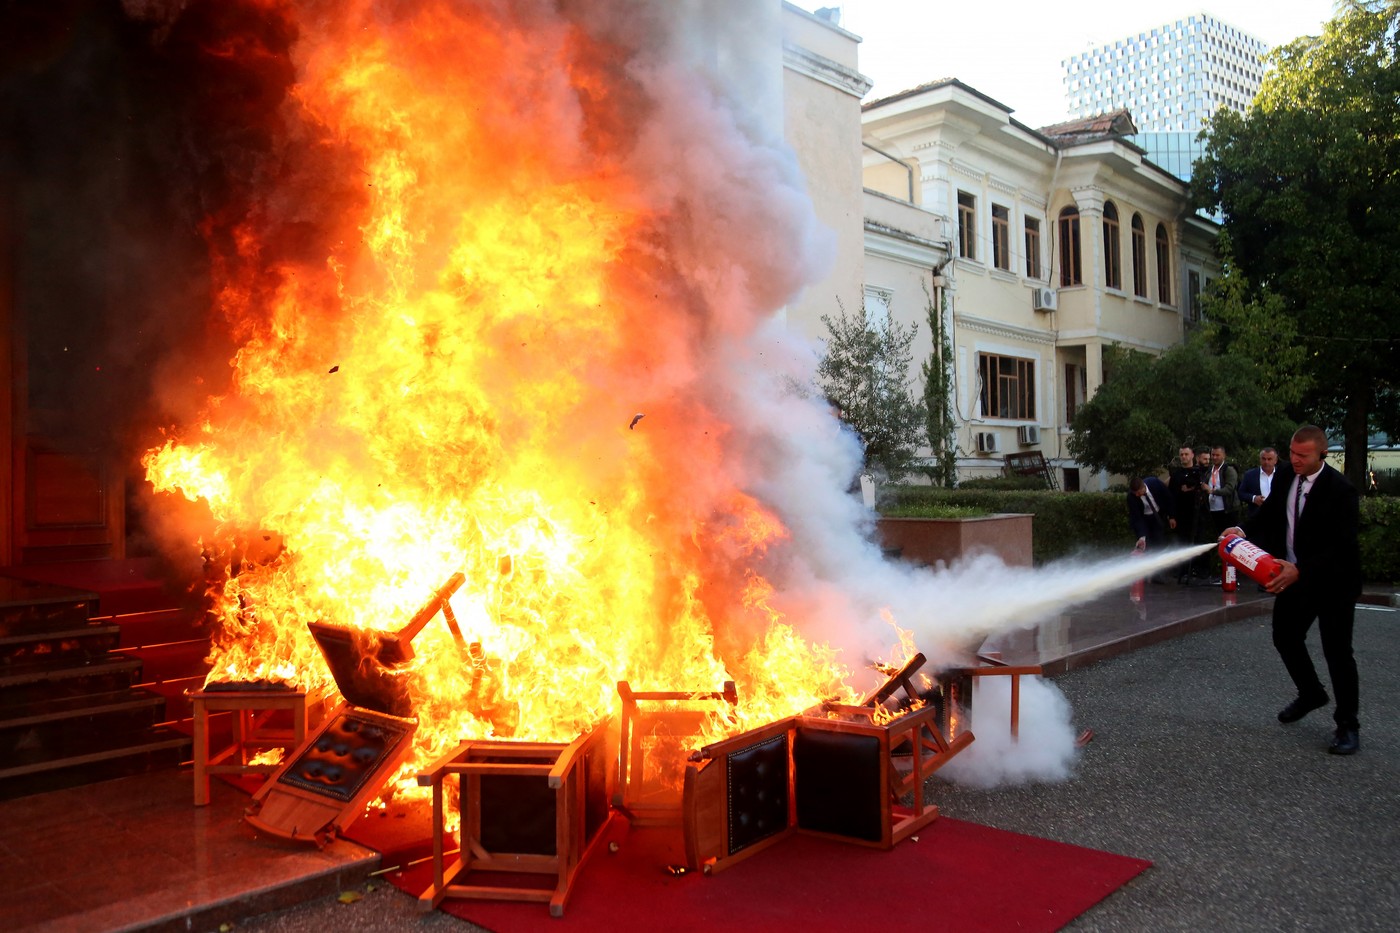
1028	434
986	442
1044	299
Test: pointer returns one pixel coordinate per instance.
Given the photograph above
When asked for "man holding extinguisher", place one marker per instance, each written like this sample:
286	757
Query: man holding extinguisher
1311	521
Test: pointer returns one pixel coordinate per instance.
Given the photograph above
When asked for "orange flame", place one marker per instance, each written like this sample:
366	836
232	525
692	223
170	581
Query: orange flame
442	374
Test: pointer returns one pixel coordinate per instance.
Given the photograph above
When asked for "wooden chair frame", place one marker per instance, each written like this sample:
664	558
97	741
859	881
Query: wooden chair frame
707	795
654	808
928	751
252	712
911	744
910	747
957	690
565	767
282	808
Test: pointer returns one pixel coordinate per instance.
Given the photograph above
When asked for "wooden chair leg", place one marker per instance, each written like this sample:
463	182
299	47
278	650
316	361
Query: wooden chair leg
201	753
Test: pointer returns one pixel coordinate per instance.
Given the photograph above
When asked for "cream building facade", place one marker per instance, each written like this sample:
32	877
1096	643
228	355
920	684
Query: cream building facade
1067	240
886	246
1039	248
822	91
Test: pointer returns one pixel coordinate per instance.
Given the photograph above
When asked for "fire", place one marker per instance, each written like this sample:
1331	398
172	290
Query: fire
452	296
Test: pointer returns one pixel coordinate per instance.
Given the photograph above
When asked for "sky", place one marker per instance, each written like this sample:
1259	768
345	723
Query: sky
1011	50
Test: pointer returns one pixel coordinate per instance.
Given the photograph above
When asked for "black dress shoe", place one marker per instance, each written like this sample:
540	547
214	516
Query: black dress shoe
1345	742
1301	706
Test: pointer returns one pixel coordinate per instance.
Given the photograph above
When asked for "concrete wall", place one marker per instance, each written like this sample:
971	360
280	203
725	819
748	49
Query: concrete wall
822	90
931	540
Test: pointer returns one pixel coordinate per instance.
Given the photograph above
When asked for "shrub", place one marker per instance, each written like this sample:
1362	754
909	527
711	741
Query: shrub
1004	482
1380	539
934	510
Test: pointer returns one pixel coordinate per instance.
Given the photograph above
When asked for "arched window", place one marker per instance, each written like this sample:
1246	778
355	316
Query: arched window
1139	257
1112	252
1164	266
1069	248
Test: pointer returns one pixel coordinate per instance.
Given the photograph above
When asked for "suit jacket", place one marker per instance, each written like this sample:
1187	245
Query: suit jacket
1137	515
1251	486
1325	537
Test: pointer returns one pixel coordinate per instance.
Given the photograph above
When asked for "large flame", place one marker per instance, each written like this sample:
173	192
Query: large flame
458	286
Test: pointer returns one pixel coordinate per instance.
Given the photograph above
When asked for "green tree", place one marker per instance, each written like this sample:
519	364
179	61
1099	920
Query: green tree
1148	406
938	401
1308	182
865	374
1252	324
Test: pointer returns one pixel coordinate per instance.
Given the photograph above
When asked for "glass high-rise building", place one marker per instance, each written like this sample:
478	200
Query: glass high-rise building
1171	78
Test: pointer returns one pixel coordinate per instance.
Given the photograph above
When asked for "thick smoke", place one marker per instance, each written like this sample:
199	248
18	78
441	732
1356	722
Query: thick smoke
833	580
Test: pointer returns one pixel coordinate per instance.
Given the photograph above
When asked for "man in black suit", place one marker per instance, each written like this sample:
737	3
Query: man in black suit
1310	523
1150	513
1257	483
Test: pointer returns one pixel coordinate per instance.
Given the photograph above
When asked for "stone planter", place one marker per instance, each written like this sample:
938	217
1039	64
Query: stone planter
930	540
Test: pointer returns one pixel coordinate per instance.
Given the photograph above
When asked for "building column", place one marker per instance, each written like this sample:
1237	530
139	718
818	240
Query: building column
1093	367
1090	203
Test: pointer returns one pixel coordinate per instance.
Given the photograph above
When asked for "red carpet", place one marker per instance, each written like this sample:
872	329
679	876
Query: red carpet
958	876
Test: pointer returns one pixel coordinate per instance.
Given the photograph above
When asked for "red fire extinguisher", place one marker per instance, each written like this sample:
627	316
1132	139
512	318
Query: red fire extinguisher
1253	561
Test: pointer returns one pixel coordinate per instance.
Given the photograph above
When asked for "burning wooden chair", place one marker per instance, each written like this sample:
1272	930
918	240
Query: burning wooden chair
838	770
737	799
853	765
367	665
325	785
527	808
651	800
321	790
253	711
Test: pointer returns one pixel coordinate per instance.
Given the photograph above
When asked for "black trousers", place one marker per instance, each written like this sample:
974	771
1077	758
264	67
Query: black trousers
1294	611
1189	531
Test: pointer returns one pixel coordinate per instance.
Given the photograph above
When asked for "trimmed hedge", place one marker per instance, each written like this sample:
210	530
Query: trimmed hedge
1380	539
1004	482
934	510
1069	522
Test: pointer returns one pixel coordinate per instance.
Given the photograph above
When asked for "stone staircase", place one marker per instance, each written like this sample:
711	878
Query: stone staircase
95	660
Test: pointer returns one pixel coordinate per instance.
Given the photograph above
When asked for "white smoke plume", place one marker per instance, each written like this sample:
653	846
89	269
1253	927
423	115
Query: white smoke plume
1042	748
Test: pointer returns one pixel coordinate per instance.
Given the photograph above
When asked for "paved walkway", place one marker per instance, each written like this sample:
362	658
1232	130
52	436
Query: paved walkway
1251	825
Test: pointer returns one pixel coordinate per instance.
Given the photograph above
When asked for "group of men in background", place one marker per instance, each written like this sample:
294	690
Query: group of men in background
1202	497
